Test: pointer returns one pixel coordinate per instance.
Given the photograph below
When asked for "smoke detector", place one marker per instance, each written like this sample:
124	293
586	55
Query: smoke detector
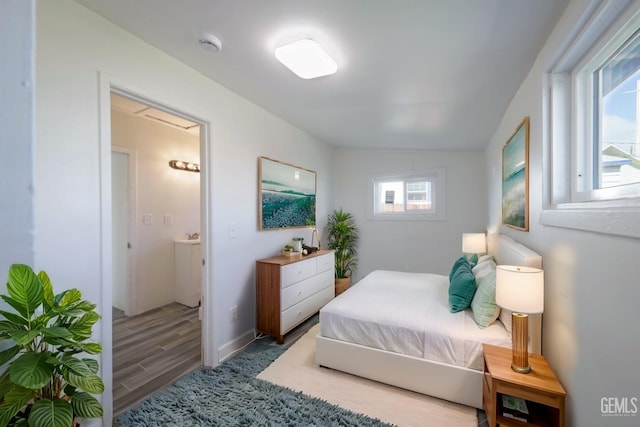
210	42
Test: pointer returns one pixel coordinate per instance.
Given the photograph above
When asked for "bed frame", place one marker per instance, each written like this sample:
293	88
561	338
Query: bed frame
454	383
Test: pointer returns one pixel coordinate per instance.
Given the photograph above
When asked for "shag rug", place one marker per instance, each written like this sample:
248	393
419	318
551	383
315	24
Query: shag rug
231	395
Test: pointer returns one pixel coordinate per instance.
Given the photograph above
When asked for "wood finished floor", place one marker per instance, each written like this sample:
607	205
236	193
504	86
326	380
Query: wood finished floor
153	350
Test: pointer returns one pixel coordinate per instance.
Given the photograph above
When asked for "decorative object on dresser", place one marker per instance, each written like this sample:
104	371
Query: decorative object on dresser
343	239
521	290
510	398
287	250
289	290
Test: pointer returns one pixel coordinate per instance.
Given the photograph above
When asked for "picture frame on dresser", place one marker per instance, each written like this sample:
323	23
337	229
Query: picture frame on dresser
287	195
515	178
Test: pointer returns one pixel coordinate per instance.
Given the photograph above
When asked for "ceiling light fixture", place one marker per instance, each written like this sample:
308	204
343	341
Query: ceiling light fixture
210	42
307	59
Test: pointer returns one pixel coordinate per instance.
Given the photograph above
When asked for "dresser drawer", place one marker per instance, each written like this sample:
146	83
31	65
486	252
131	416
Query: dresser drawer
296	272
295	315
325	262
295	293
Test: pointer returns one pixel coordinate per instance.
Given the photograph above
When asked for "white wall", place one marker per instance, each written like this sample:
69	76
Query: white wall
591	316
160	191
74	48
420	246
16	134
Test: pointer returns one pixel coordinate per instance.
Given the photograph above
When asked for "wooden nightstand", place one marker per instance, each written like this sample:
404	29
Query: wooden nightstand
540	388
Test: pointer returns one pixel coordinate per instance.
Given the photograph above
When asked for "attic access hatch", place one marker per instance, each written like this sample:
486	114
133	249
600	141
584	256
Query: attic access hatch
136	108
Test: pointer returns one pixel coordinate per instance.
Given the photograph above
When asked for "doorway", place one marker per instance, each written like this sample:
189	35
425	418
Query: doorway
154	209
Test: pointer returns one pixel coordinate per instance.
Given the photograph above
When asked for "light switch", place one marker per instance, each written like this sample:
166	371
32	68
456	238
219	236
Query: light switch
167	219
147	219
233	230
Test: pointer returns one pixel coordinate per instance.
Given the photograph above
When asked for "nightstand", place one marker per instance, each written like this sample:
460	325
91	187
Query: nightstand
540	389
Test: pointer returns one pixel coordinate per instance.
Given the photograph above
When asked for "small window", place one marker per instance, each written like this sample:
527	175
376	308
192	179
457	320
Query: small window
415	196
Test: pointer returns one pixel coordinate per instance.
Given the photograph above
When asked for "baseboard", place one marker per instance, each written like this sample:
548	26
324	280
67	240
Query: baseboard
235	346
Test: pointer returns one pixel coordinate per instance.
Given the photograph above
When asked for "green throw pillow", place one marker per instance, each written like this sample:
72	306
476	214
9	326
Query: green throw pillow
460	261
473	260
484	307
462	288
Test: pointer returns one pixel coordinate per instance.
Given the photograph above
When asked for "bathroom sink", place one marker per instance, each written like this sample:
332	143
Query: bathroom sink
188	242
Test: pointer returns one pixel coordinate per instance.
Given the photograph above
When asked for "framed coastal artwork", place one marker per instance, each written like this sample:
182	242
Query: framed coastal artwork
515	178
287	195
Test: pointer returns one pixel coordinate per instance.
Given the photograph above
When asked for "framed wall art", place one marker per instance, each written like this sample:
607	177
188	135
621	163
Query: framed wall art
515	178
287	195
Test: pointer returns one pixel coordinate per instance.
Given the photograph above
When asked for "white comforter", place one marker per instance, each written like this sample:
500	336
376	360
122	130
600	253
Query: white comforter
408	313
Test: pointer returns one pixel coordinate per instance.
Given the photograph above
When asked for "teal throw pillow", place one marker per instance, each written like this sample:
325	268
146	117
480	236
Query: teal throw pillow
484	307
462	288
460	261
473	260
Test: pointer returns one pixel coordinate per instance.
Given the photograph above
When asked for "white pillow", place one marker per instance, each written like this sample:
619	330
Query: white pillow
485	258
505	318
480	271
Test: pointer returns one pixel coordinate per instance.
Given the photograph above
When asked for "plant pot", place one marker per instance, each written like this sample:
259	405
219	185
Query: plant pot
287	253
342	284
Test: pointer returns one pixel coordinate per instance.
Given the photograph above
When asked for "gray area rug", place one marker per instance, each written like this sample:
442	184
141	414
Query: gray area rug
230	395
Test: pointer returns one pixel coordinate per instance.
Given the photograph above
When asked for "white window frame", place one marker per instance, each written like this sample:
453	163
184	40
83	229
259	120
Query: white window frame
437	178
568	198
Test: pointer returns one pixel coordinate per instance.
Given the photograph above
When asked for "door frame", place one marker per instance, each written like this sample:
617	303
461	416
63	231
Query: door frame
108	84
132	302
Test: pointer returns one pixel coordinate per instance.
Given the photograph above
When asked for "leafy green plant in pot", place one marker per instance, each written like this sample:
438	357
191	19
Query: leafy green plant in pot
47	382
343	239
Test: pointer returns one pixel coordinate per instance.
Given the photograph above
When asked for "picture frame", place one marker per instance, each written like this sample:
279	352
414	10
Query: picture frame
287	195
515	178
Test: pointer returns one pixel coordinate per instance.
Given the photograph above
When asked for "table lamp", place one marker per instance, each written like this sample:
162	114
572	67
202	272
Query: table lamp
474	243
521	290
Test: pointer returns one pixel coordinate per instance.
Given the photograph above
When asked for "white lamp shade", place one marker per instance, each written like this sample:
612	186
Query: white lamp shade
474	243
520	289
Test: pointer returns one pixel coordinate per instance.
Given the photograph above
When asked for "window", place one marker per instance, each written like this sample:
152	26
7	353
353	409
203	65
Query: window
608	164
412	196
593	139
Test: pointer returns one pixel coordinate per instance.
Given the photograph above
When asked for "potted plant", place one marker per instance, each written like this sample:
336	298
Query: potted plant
287	250
343	239
46	381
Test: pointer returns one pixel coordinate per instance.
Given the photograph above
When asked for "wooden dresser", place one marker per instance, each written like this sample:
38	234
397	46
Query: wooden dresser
289	290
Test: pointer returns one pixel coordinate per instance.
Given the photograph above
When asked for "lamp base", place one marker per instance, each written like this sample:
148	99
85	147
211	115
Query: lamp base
519	342
520	370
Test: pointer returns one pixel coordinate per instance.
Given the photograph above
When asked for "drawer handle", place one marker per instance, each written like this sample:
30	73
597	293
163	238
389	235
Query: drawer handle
299	293
299	272
299	313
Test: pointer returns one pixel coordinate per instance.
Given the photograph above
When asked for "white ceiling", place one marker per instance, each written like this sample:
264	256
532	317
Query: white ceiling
413	74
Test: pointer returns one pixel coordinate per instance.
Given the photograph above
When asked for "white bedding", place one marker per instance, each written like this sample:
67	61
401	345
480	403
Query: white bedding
408	313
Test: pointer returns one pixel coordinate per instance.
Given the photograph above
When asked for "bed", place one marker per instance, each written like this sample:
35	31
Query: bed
409	339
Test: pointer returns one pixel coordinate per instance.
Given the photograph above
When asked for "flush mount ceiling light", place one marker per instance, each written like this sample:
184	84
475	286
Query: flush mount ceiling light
307	59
